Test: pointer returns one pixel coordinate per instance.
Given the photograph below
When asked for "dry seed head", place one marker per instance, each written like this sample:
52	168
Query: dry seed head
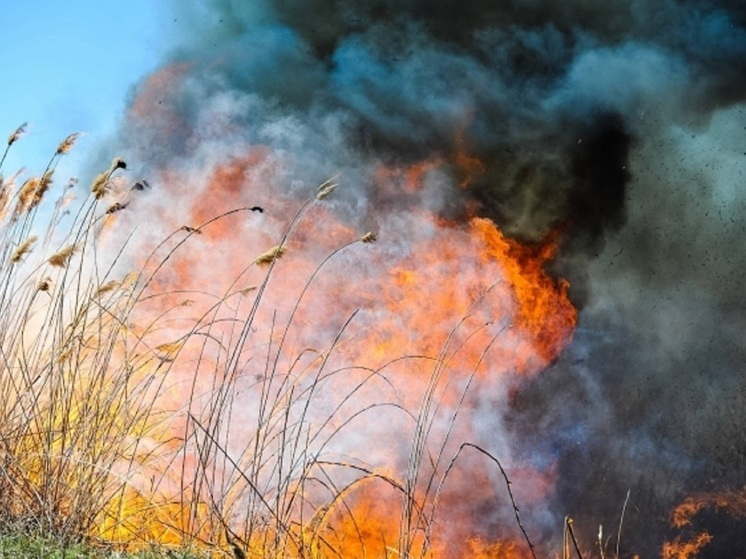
27	194
247	290
270	256
107	287
60	258
115	207
167	352
118	163
326	188
369	237
23	249
67	143
17	134
44	284
44	184
5	193
100	184
190	229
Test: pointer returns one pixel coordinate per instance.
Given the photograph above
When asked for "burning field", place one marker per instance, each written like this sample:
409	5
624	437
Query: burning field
377	279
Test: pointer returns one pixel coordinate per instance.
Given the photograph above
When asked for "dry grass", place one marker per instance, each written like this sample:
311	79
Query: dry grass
89	450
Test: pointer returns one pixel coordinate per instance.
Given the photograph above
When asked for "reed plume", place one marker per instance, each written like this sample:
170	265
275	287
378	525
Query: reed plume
369	237
67	144
60	258
44	183
100	185
23	249
326	188
270	256
26	195
44	285
17	134
107	287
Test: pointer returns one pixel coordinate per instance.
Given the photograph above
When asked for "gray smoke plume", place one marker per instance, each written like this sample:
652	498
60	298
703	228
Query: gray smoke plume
620	125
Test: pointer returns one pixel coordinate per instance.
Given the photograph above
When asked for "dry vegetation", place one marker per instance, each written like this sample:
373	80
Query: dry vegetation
88	451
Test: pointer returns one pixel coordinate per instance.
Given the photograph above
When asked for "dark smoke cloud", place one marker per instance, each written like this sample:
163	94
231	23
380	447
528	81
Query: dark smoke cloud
621	124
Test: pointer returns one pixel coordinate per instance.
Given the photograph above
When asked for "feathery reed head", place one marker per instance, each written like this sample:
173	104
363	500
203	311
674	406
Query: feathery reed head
107	287
17	134
189	229
270	256
116	207
369	237
67	144
23	249
61	257
27	195
44	284
100	185
326	188
44	183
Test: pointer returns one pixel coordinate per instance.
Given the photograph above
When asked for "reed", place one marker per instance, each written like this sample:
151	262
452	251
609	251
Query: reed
91	450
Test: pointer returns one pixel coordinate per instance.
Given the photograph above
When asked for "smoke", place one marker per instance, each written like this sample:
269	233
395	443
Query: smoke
617	126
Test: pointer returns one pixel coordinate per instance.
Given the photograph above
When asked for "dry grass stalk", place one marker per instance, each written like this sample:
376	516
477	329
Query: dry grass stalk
326	188
369	237
270	256
23	249
17	134
61	257
67	143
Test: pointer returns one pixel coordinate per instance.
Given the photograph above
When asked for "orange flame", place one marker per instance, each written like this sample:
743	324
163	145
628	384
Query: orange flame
420	325
683	517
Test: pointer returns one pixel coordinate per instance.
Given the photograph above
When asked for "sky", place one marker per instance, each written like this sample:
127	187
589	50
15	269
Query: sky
68	67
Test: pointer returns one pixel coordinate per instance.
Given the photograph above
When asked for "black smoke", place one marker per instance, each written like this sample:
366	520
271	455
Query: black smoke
619	124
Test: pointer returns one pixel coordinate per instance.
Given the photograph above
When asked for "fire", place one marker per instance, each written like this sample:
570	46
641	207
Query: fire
431	307
691	541
286	385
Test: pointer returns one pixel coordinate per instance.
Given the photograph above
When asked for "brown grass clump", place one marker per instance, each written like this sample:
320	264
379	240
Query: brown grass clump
23	249
270	256
60	258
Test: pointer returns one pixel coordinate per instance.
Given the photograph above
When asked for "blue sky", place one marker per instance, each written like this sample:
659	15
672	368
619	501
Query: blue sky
68	67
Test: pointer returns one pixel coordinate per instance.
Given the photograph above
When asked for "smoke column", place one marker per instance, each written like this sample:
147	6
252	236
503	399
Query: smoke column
617	128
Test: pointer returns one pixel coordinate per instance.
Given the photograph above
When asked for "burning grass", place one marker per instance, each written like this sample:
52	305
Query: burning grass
123	404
